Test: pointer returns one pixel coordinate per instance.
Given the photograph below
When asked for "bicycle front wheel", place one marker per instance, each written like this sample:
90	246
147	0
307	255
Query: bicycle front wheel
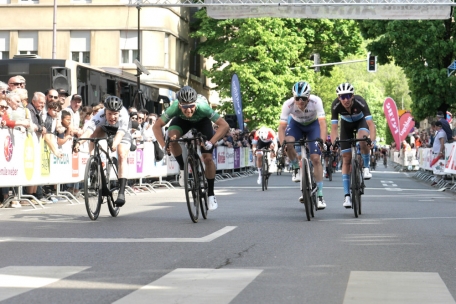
191	188
93	195
113	186
354	179
263	173
360	189
266	173
305	188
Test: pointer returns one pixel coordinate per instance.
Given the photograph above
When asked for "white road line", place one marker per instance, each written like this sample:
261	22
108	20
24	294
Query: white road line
204	239
389	219
396	287
15	280
188	285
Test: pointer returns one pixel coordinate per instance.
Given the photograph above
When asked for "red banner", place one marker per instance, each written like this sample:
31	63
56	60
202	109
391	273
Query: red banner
406	124
390	110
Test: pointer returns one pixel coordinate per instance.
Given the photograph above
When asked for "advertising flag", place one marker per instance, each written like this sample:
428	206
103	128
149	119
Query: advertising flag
406	124
392	117
237	100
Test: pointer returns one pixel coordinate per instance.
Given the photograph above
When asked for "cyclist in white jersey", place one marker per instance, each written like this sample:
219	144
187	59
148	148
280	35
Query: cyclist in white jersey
307	120
113	120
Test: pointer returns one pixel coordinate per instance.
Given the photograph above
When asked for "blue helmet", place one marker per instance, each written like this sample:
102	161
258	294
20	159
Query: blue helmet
301	89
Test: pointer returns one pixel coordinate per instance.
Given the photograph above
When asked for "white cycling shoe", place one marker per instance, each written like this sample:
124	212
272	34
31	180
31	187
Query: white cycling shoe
366	174
347	202
259	180
212	203
321	204
296	177
181	178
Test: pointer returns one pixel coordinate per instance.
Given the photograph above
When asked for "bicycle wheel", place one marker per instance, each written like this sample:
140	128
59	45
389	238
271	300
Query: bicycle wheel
361	188
330	173
263	173
202	189
191	188
92	187
305	188
267	174
313	194
113	186
354	179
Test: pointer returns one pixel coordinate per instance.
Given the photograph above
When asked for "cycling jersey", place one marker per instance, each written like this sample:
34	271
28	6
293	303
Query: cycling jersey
271	136
359	110
203	110
100	120
313	111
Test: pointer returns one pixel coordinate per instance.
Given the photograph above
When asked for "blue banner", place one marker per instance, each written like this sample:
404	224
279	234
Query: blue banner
237	100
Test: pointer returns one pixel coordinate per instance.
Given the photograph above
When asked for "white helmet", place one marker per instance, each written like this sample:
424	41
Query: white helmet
345	88
263	133
301	89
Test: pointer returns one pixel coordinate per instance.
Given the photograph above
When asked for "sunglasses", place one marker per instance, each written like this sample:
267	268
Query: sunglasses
5	92
16	83
53	96
345	96
188	106
4	107
134	118
301	98
139	117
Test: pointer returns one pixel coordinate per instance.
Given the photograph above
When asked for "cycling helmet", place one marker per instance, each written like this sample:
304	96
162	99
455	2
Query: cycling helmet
187	95
113	103
301	89
202	98
345	88
328	138
263	134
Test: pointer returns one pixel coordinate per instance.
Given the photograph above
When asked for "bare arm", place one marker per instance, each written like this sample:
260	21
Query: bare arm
281	131
157	128
372	129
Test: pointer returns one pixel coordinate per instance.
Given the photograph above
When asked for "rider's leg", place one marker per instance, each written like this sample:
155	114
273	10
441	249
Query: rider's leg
175	147
291	152
209	172
346	157
365	151
318	172
122	153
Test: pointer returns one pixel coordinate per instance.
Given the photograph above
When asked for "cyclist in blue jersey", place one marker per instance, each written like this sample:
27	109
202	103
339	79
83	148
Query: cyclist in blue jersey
355	115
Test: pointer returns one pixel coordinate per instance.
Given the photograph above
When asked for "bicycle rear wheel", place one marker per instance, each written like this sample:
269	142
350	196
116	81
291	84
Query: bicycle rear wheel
202	189
305	188
354	179
266	173
313	193
360	189
93	195
191	188
113	187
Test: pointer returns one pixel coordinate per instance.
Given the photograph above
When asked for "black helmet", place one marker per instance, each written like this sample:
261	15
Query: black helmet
187	95
113	103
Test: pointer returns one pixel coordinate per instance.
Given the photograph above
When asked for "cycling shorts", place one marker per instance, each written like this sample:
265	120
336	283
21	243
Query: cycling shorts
110	130
183	126
346	132
261	144
311	132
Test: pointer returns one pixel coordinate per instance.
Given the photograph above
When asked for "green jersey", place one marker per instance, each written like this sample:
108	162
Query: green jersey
202	110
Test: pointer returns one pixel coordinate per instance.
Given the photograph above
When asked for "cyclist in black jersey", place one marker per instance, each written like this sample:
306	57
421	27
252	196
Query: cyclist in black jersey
354	115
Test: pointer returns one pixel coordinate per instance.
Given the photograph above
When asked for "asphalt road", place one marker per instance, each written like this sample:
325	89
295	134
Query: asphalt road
257	247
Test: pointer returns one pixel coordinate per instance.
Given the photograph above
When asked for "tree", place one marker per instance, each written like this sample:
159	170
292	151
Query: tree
423	49
269	55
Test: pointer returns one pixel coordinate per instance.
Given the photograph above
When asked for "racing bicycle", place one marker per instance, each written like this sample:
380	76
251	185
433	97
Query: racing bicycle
101	179
194	176
265	169
308	185
356	175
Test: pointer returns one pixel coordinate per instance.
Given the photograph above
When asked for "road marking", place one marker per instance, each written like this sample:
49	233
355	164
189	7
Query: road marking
204	239
190	285
396	287
15	280
354	221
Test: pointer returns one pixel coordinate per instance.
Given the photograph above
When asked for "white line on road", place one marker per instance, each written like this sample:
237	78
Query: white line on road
396	287
194	286
204	239
389	219
15	280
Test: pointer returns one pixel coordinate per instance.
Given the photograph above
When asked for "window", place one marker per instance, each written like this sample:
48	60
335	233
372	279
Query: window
180	51
80	46
195	60
166	51
27	42
128	46
4	45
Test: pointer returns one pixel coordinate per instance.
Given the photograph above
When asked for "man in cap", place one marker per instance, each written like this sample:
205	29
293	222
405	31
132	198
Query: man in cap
445	126
63	94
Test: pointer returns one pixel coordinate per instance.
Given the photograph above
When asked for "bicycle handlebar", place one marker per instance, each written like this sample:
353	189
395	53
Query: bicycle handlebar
196	136
353	141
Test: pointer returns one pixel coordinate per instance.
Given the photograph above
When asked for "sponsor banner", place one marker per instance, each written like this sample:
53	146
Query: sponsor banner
298	9
237	158
390	110
406	124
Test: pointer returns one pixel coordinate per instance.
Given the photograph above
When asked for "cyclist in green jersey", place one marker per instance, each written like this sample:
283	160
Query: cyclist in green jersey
189	112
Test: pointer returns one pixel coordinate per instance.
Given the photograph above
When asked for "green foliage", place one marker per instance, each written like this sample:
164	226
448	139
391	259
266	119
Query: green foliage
411	44
269	55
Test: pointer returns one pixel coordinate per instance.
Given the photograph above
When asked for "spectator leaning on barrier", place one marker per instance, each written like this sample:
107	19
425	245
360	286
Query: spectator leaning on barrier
73	109
16	118
445	126
86	115
23	94
53	109
147	132
438	148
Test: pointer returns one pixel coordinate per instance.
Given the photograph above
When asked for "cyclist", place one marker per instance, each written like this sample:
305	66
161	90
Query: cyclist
355	115
113	120
264	138
307	119
189	112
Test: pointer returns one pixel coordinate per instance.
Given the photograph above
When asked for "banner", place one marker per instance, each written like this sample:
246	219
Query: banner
237	100
406	124
390	110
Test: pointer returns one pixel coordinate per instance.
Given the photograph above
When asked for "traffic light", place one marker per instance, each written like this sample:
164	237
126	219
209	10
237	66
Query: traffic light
316	59
371	63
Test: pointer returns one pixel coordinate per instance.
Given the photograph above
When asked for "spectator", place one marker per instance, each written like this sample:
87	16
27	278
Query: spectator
23	94
147	133
438	148
73	109
445	126
53	108
14	83
21	79
85	115
97	108
3	90
18	116
63	95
